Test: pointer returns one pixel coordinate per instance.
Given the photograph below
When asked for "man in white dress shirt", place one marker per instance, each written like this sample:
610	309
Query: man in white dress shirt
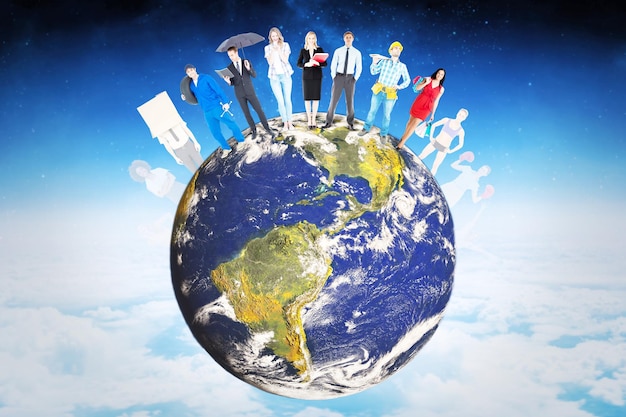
345	69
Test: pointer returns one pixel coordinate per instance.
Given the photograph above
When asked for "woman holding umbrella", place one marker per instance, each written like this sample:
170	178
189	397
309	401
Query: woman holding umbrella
279	72
311	76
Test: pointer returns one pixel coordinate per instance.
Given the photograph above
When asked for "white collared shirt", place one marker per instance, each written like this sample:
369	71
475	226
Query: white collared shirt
355	62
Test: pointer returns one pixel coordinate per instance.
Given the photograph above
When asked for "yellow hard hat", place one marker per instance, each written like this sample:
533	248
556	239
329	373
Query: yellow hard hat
394	44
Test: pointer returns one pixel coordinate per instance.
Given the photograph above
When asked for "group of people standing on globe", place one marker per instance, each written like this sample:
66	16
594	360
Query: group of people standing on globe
345	70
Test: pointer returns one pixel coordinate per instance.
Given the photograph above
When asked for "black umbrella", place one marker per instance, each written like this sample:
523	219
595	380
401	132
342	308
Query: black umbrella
240	41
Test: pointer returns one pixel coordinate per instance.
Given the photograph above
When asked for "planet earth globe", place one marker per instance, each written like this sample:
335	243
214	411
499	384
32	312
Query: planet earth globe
315	265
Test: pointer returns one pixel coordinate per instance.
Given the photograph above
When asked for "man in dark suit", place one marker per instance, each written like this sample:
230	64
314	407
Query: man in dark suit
243	72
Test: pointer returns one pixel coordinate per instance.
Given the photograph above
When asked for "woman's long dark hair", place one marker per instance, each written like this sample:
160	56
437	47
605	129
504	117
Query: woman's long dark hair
444	75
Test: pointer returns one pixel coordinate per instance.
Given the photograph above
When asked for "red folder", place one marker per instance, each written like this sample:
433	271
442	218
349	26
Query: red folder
320	57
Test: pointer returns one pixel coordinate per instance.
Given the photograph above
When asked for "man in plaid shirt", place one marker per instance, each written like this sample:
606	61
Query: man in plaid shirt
385	89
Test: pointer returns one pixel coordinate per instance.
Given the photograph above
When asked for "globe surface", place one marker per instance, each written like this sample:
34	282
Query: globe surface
313	266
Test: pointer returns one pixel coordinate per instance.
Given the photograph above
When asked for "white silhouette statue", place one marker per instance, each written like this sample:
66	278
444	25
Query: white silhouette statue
170	129
159	181
441	141
467	180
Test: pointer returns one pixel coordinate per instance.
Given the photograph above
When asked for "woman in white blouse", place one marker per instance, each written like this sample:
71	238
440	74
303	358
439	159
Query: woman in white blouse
279	73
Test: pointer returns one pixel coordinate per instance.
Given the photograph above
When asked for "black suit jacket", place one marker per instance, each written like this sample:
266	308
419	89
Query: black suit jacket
242	82
310	73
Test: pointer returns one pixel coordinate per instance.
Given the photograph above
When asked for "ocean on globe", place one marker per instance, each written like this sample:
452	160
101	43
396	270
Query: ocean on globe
315	265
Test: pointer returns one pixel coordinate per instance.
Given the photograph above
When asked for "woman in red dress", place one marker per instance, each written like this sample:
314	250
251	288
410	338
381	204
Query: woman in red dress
426	103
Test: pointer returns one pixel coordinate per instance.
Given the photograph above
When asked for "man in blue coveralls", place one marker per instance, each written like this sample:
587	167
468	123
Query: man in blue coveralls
213	102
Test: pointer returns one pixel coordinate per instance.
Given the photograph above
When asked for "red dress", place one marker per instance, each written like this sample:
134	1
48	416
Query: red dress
424	102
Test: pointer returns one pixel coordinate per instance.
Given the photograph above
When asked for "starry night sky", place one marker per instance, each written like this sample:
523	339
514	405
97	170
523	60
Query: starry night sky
73	74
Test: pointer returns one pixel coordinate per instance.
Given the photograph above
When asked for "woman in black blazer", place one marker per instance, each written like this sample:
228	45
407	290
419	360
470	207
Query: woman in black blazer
311	77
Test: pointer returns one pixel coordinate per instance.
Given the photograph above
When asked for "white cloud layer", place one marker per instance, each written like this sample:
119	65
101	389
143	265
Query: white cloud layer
536	327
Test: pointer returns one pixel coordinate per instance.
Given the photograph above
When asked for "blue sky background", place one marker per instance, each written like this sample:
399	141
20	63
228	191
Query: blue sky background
537	323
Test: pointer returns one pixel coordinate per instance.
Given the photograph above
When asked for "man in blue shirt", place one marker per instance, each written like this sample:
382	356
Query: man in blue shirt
345	69
213	102
390	71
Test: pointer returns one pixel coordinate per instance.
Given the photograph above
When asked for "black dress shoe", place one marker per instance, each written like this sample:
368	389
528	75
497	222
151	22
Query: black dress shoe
253	135
351	127
326	126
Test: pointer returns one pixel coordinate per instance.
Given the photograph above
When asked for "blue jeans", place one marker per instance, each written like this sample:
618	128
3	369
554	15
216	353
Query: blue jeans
281	87
213	118
377	100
